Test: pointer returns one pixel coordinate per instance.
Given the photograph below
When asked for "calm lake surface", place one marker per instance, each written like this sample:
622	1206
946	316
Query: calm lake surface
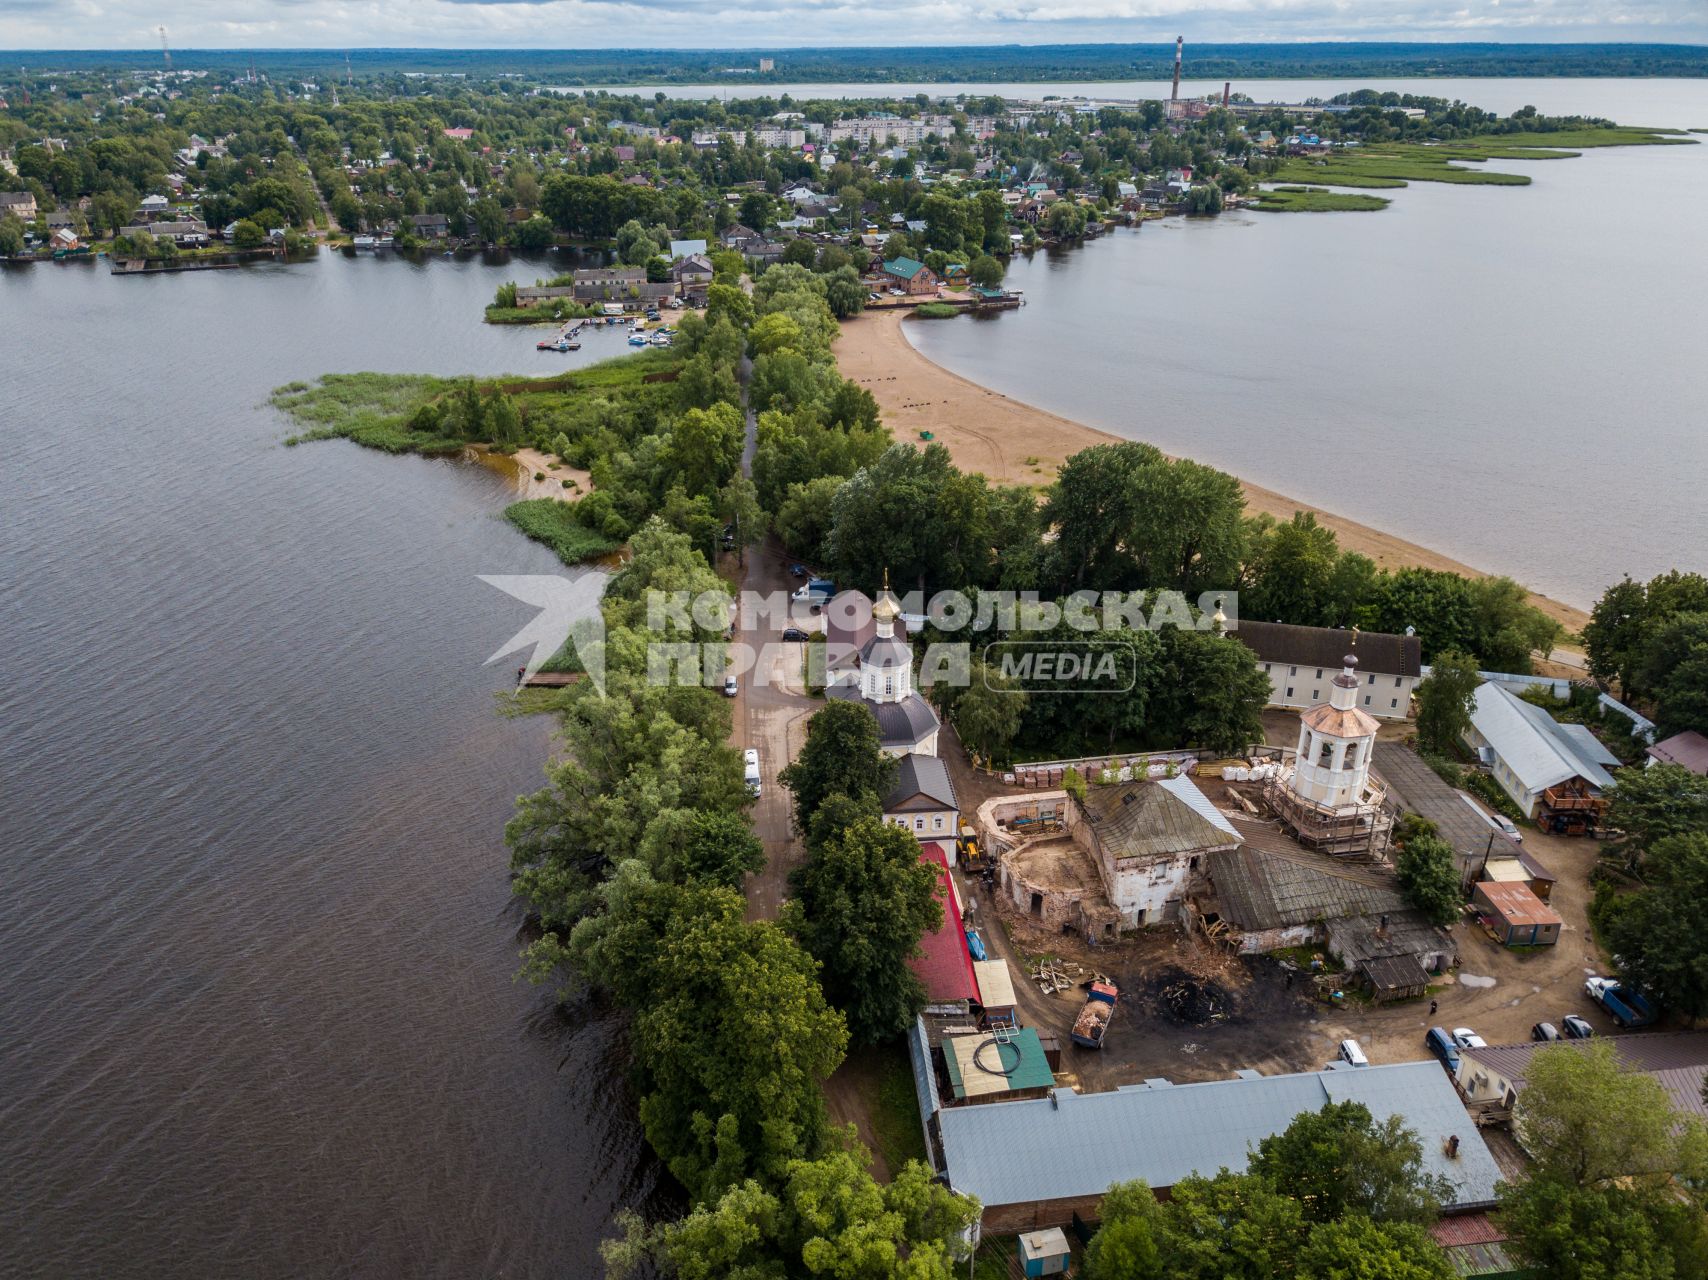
1509	375
258	1016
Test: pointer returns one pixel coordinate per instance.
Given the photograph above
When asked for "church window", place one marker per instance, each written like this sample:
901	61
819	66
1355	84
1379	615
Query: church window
889	684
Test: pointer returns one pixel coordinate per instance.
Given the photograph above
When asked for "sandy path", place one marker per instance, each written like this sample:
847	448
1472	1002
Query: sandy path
1014	443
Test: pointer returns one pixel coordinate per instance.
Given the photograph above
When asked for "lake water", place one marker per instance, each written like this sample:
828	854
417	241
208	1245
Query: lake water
1510	375
259	1017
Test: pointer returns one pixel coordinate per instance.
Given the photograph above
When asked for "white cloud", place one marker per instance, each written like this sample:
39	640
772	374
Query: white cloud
545	24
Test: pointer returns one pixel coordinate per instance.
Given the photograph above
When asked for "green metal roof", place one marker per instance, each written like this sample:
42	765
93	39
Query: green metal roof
1019	1059
906	268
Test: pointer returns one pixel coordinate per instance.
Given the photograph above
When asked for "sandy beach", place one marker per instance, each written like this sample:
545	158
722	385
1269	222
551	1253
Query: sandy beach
1015	443
522	466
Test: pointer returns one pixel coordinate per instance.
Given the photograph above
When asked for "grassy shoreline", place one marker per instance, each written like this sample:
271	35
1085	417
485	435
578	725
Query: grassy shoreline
1294	199
1386	165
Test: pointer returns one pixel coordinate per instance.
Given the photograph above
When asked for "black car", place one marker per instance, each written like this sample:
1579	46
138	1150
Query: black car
794	633
1544	1031
1576	1028
797	571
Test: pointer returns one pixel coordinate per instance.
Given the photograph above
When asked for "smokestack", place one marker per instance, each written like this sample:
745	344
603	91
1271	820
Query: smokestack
1178	42
1226	85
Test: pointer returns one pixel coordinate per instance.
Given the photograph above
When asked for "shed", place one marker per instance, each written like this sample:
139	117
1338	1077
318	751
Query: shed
996	990
1517	916
1043	1253
999	1067
1394	977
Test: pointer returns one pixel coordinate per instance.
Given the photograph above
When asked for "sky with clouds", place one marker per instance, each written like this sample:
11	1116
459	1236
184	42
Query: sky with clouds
65	24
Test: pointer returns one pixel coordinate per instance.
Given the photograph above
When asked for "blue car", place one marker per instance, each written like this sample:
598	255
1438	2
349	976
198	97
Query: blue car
1441	1045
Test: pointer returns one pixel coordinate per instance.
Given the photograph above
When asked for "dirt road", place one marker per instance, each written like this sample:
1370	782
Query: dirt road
771	713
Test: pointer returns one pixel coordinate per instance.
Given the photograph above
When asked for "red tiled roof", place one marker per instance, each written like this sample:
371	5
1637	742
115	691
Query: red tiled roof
944	965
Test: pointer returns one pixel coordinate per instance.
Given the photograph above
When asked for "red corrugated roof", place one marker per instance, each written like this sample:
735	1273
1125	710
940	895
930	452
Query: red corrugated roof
1470	1228
944	965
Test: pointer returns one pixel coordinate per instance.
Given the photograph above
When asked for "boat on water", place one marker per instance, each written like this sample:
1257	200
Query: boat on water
557	344
362	242
637	340
659	340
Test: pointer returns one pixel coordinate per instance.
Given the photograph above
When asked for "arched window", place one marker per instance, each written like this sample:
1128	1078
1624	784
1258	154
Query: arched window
1352	755
1326	755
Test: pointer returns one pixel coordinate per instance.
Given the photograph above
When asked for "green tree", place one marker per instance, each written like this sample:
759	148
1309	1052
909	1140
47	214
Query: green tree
1649	805
1429	876
738	505
862	900
1674	672
1667	963
840	757
829	1217
709	846
756	209
1355	1248
1614	638
1444	700
1125	1246
731	1034
845	293
11	236
1340	1160
1570	1232
988	712
248	234
1586	1120
985	271
1289	570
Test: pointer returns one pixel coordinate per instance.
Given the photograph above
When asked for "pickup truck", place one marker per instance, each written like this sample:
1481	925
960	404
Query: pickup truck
1093	1021
1625	1006
817	590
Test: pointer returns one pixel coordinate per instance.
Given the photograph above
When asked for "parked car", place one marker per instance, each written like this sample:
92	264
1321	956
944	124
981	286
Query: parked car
1441	1045
794	633
1576	1027
730	687
750	762
1505	826
797	571
1465	1038
1352	1053
1544	1031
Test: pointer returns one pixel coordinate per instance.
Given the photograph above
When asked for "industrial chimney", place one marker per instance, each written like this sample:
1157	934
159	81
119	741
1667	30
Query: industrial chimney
1178	42
1226	86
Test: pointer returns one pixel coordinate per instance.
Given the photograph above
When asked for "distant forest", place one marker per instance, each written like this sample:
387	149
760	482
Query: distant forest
892	64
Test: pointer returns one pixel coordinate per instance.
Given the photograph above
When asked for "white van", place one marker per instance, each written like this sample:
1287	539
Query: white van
1352	1054
750	759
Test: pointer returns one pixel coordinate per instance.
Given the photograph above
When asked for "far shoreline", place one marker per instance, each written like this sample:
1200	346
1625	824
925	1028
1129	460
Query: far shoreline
1019	443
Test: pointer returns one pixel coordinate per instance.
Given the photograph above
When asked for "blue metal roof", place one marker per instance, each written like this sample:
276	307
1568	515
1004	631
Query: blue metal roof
1079	1144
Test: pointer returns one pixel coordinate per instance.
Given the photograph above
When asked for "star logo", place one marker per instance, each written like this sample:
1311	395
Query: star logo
568	610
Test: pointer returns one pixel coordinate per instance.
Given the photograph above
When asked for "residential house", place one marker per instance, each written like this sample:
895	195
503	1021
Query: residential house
192	233
1492	1079
429	226
153	206
1044	1162
910	275
459	134
64	239
694	269
1301	663
1557	774
625	153
686	248
1689	749
923	799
